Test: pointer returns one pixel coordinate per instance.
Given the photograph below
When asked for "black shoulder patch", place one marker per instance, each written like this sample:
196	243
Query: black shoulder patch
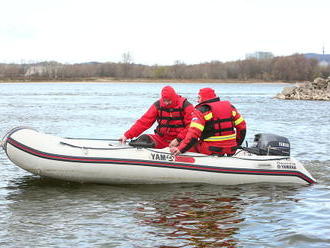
186	103
157	104
204	108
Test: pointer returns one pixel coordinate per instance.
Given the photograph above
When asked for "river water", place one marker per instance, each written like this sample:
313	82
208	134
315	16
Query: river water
40	212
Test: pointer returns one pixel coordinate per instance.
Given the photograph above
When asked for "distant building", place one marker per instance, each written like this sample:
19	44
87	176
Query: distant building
259	55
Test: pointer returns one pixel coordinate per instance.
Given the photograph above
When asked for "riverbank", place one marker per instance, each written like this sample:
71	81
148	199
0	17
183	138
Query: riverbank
141	80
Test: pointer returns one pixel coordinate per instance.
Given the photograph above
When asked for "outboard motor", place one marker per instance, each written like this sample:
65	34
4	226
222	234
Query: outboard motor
270	144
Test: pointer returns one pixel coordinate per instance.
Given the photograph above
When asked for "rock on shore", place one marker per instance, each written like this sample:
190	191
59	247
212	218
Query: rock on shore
319	89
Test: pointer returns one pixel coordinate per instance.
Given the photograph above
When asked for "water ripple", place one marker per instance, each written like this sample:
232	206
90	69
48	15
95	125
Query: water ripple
49	213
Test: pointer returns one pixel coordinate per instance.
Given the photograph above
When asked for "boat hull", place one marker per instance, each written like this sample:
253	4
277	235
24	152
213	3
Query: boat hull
90	161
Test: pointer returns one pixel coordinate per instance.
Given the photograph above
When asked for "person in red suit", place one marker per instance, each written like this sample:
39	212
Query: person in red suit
216	127
173	115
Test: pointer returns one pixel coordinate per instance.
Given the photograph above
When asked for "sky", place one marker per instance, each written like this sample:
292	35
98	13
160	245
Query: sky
159	31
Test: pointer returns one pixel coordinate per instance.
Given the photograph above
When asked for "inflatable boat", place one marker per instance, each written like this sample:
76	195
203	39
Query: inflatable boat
109	162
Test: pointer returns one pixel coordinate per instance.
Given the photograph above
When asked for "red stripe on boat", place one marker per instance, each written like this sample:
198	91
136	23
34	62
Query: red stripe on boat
184	159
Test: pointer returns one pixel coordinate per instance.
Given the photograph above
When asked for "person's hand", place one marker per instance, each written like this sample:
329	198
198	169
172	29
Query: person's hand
123	139
173	143
175	151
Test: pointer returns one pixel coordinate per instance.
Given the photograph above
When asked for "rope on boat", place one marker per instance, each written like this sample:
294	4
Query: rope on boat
95	148
91	139
128	147
249	159
204	155
265	159
161	152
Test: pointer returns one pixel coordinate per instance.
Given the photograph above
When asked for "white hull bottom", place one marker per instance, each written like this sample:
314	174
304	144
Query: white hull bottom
91	161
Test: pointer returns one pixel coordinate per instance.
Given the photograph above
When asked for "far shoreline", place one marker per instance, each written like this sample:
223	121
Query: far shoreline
148	80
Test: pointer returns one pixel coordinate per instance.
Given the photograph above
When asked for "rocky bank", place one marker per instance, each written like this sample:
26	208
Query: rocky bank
319	90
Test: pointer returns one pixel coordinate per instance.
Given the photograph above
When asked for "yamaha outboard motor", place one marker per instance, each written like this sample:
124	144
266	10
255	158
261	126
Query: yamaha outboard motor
269	144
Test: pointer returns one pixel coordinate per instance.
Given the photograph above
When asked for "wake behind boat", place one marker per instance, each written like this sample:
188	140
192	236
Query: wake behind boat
108	162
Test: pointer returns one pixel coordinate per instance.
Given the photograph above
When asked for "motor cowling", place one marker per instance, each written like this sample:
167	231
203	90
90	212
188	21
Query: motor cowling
270	144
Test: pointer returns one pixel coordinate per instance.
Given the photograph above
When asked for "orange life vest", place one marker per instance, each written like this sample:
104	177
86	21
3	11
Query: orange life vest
222	122
171	120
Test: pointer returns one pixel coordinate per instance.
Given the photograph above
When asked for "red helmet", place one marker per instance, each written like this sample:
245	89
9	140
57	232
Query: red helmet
206	94
169	94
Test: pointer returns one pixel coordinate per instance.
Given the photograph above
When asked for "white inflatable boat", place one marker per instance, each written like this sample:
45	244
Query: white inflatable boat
103	161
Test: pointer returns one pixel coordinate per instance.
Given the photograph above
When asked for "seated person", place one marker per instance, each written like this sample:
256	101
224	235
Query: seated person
216	127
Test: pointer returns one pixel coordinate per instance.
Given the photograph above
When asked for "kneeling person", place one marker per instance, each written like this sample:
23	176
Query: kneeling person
173	114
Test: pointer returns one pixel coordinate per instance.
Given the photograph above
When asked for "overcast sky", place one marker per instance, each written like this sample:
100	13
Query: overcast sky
160	31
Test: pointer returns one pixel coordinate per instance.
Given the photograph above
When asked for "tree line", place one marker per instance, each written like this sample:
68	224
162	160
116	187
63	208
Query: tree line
286	68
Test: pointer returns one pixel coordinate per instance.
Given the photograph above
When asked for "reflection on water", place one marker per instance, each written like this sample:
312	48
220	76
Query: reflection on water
178	215
197	221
